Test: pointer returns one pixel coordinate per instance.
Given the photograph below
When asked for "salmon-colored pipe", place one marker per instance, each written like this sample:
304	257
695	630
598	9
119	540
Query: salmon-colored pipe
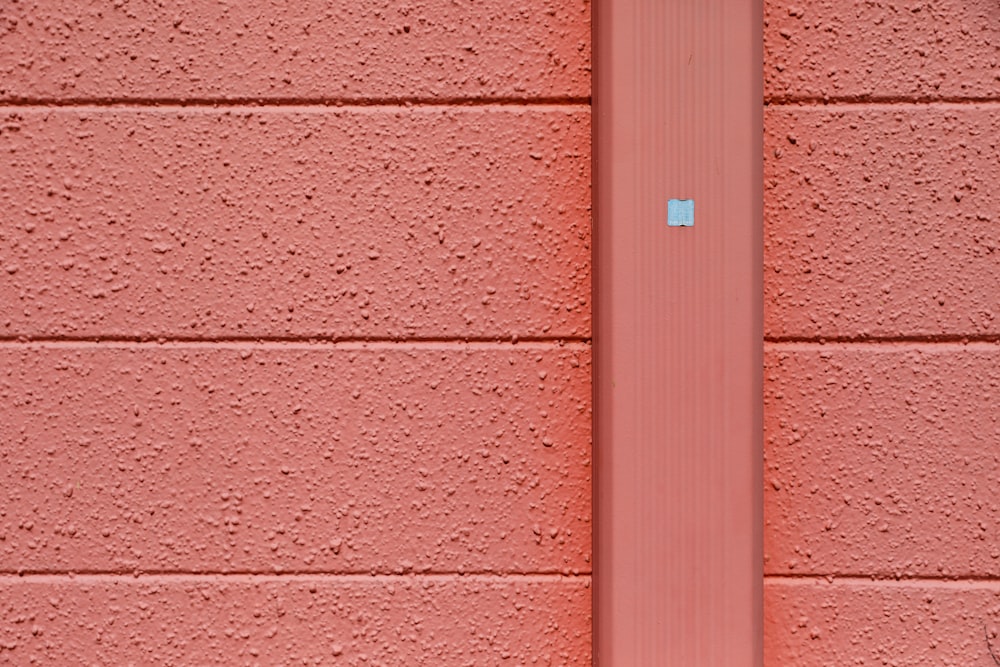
678	344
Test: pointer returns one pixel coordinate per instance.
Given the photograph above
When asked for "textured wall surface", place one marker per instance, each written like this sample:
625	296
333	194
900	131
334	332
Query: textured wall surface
882	318
295	333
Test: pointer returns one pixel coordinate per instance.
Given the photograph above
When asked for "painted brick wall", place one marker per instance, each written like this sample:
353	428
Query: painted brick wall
882	317
295	319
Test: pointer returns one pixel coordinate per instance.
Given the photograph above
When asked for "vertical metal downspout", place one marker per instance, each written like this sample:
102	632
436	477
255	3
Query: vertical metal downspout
677	109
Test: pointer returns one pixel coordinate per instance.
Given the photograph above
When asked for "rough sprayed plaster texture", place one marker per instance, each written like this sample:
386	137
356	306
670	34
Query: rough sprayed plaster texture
295	333
882	442
372	50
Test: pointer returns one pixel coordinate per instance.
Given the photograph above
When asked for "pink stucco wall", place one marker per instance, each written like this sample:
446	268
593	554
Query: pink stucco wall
882	446
295	333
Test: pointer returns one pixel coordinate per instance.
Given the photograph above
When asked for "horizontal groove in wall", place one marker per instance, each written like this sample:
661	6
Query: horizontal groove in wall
988	583
252	577
303	343
910	342
293	104
883	102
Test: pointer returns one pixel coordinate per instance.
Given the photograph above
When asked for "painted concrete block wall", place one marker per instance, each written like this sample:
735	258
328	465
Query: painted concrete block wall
295	333
882	318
